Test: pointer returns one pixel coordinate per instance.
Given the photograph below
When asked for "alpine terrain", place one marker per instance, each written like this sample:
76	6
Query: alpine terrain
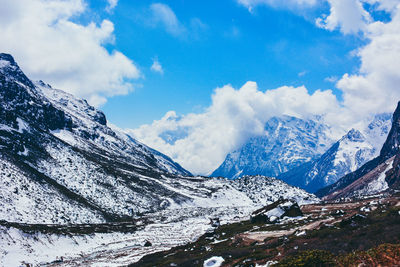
71	185
357	224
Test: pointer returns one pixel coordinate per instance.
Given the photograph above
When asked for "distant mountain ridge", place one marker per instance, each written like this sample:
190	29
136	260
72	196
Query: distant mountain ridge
288	142
302	153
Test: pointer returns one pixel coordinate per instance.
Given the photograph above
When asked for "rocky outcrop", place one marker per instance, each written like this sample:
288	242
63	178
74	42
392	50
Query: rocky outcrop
276	211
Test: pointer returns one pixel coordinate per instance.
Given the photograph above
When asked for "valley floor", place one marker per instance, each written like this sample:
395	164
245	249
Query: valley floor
325	234
329	234
113	244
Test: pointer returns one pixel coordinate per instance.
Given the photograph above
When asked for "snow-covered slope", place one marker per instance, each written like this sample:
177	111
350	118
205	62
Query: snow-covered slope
347	155
288	142
229	201
61	163
375	176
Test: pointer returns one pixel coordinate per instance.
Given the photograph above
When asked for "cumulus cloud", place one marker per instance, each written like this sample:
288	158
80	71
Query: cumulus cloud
251	4
156	66
376	86
50	46
348	15
200	141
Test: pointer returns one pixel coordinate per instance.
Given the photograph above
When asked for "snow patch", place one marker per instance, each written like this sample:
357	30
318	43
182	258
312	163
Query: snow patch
215	261
277	212
22	125
4	63
6	128
24	153
268	264
65	135
380	184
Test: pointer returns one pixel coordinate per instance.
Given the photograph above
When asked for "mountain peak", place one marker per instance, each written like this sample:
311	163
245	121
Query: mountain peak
11	71
354	136
7	57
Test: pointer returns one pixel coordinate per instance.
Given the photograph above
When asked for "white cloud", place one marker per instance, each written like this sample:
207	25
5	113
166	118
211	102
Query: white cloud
376	86
348	15
164	15
48	45
251	4
156	66
204	139
111	5
201	141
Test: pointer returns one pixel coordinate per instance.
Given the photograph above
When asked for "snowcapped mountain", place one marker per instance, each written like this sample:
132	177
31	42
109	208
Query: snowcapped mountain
377	175
288	142
347	155
59	155
61	163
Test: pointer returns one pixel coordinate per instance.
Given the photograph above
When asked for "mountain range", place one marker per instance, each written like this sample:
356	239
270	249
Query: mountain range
61	163
378	175
70	181
303	152
287	142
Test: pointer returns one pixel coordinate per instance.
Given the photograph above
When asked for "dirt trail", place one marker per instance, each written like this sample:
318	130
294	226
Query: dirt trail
261	236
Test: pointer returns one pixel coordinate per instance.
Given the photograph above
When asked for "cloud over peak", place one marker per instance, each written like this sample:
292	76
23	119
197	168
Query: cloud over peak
201	141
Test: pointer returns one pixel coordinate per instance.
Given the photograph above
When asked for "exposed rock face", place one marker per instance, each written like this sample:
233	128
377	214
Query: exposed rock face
392	144
277	210
377	175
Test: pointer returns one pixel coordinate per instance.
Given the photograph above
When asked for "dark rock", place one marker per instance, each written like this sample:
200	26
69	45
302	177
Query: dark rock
215	222
275	211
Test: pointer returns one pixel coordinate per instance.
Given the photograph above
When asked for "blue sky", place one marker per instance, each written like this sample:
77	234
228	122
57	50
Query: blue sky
209	74
271	46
